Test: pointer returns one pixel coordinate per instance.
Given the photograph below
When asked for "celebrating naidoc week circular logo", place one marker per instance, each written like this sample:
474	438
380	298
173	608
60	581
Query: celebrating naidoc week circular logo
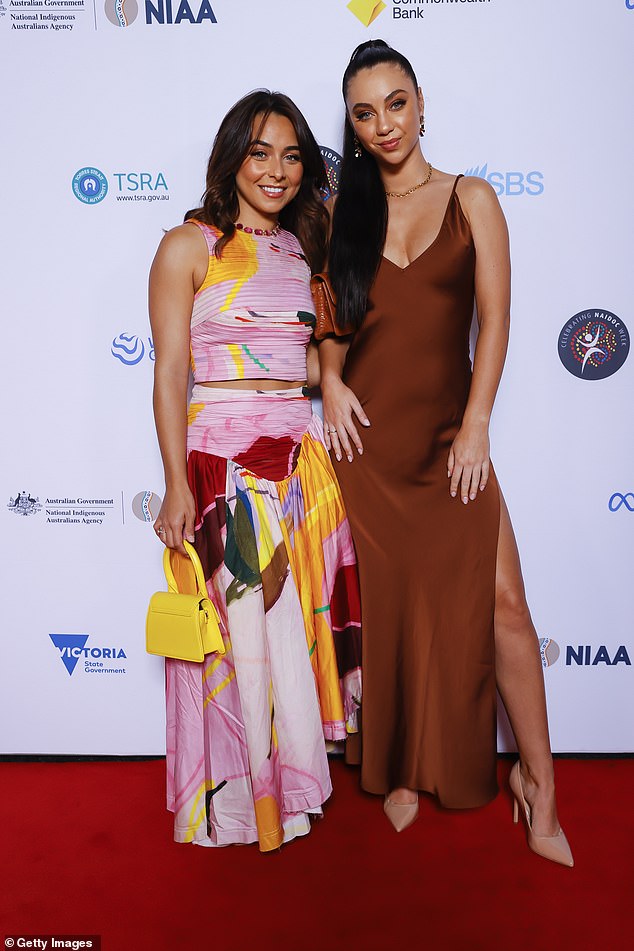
332	161
594	344
121	12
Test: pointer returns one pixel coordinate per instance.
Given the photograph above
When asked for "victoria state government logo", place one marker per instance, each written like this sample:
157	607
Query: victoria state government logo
24	504
594	344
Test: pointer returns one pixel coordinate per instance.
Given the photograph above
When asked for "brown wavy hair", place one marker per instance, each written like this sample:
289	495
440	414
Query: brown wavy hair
305	215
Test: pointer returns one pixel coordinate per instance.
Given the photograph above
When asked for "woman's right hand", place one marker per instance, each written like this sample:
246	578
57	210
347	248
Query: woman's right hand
340	406
176	518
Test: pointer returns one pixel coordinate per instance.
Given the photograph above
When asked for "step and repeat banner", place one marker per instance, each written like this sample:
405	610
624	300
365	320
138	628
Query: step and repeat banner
109	110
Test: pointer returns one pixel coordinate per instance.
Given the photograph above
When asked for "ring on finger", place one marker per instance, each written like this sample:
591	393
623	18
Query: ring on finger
331	431
160	531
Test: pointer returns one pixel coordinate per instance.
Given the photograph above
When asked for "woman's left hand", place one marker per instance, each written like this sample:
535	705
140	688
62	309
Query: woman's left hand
468	463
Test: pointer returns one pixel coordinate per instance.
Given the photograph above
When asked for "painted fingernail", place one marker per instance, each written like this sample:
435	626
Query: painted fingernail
482	487
338	455
361	451
453	495
350	457
465	499
366	422
473	495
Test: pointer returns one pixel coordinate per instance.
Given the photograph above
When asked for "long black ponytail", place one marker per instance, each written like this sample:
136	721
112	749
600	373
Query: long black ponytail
359	221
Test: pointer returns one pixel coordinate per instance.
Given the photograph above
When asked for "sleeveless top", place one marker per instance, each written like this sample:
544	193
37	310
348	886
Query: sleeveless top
253	315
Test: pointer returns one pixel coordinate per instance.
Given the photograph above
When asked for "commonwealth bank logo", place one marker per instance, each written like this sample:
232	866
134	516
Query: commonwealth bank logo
366	10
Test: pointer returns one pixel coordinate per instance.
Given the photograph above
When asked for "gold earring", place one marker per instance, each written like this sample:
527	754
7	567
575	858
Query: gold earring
357	148
422	125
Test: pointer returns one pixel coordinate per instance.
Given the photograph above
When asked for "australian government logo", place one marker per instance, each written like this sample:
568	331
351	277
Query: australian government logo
74	648
583	655
53	16
24	504
594	344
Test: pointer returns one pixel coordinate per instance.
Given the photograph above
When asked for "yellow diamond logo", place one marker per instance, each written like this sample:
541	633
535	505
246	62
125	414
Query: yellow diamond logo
366	10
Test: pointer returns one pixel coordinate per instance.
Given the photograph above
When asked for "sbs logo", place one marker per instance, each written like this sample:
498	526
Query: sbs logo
510	183
121	12
594	344
90	185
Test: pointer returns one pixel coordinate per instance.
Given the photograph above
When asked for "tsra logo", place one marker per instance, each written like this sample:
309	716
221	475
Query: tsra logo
175	11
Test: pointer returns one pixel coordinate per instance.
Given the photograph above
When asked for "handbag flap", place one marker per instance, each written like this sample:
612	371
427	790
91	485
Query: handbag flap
176	605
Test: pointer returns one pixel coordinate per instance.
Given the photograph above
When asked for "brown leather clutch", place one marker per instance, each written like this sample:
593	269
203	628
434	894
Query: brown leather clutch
325	308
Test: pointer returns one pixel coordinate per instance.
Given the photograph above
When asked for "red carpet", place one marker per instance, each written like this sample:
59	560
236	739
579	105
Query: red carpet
88	849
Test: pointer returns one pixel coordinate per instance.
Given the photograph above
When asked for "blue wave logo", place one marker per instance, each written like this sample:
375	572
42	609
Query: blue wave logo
129	348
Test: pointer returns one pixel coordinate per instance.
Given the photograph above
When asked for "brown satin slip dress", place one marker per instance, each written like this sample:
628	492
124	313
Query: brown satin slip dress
426	561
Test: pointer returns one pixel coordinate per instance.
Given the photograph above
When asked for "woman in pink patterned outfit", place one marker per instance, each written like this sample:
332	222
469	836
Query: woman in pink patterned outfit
249	482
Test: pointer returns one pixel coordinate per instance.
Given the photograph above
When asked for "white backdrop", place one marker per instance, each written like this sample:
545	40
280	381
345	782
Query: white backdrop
536	97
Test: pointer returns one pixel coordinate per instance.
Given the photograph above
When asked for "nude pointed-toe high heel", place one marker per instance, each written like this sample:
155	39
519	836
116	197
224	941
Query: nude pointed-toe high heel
400	814
552	847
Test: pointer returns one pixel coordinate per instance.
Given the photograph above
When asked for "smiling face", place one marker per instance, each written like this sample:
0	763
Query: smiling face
271	174
384	109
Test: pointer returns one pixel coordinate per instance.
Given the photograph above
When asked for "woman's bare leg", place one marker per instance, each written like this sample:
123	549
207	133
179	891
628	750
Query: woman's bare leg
520	681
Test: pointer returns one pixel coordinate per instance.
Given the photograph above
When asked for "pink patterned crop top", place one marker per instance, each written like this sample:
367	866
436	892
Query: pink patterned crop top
253	315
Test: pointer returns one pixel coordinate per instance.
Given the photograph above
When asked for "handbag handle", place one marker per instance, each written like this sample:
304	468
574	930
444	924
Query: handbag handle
198	569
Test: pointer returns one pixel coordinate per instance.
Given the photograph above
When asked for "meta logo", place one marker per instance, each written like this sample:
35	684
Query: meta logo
366	10
510	183
90	185
163	11
72	648
618	500
629	4
130	349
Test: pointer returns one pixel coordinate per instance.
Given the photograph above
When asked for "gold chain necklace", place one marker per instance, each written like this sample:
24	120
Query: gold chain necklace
414	188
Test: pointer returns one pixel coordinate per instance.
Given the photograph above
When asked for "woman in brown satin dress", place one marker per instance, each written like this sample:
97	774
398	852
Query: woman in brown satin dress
444	611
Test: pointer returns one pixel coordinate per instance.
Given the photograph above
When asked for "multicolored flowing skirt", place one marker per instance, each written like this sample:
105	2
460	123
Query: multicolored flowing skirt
247	731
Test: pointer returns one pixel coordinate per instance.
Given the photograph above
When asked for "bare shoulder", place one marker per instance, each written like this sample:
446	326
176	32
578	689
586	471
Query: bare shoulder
477	196
184	241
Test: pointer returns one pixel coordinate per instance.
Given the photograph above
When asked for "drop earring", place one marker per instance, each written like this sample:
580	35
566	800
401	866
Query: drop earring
357	148
422	126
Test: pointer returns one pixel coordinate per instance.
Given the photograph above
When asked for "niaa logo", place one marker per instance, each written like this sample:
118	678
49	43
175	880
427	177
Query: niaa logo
510	183
162	12
72	647
121	12
594	344
130	349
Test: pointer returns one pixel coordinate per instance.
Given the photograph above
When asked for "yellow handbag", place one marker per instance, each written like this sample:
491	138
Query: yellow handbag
182	622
